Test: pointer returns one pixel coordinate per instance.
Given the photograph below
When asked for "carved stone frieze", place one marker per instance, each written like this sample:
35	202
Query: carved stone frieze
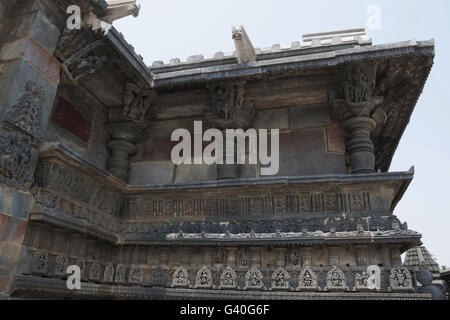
20	134
203	278
136	275
121	274
61	265
108	274
137	102
229	109
228	279
95	272
336	280
280	280
307	280
180	278
254	279
40	262
85	62
400	280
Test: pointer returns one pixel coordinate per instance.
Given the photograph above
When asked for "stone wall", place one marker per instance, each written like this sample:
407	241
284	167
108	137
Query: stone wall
29	77
311	143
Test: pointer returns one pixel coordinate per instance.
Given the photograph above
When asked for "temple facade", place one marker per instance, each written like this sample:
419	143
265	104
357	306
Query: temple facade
87	179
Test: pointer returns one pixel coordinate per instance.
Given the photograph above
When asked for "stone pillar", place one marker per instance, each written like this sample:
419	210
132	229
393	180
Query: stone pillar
29	77
360	113
124	136
208	257
396	259
255	254
229	110
231	256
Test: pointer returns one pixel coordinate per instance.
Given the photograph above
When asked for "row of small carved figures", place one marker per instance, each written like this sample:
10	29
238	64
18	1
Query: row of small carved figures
400	278
157	230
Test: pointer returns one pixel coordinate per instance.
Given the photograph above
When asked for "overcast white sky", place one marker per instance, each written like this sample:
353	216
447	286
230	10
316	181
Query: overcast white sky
181	28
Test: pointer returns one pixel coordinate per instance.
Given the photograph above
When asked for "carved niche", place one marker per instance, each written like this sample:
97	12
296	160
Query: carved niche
137	102
400	280
85	62
61	265
95	272
108	274
243	257
307	280
228	279
280	280
229	110
336	280
136	275
254	279
158	277
20	134
40	262
180	278
203	278
121	274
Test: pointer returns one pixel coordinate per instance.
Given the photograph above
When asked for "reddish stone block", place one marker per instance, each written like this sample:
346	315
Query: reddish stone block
17	230
4	282
70	119
158	149
43	61
5	222
336	139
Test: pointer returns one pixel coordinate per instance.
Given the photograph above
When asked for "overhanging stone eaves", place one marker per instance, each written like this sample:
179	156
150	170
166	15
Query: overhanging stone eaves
292	63
129	54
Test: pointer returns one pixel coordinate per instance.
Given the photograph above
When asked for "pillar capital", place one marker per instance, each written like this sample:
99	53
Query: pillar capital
360	113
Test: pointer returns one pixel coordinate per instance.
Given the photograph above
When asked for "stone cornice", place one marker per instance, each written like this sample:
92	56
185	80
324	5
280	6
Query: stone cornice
291	63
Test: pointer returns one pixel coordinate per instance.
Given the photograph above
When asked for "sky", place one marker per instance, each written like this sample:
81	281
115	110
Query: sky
181	28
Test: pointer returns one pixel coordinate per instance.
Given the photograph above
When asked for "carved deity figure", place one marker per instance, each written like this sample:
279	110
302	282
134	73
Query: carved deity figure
204	278
136	102
40	262
228	278
336	280
360	80
62	262
108	275
253	279
228	109
180	278
19	136
400	279
280	279
243	257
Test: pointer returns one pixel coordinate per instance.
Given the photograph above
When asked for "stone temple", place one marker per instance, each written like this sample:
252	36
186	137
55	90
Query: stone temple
86	177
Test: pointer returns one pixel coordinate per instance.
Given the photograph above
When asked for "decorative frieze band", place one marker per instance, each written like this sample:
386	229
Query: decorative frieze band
242	206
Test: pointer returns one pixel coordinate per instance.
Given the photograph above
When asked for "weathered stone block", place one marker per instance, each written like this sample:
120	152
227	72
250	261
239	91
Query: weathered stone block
309	116
67	117
272	119
335	138
303	152
193	173
153	172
